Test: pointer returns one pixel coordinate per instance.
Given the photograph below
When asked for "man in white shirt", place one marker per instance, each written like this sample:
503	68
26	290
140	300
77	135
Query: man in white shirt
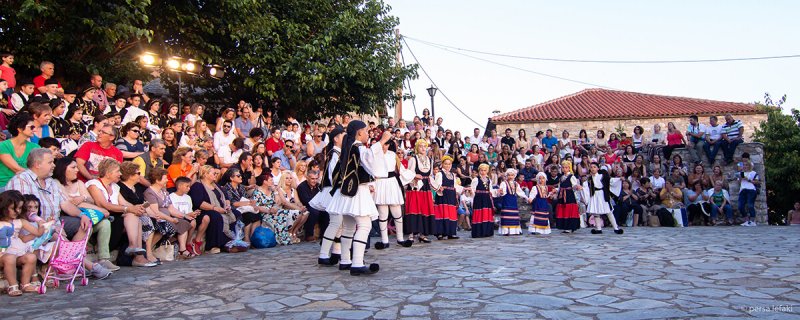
713	138
695	136
229	154
476	135
402	126
133	111
224	137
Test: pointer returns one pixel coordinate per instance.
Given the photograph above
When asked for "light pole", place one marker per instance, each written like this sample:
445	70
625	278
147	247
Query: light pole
432	92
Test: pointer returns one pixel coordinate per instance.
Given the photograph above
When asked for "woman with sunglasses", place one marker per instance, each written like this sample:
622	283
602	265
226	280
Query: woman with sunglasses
14	152
129	144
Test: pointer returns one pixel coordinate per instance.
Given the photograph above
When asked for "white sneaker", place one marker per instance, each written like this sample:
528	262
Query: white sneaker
753	224
745	224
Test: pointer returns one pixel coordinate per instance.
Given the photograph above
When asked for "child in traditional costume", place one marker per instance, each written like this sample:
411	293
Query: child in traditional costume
330	248
567	213
540	208
509	191
388	194
597	194
482	204
447	189
354	199
419	216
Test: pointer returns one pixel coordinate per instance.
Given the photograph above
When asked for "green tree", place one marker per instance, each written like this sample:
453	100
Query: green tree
314	57
80	37
780	135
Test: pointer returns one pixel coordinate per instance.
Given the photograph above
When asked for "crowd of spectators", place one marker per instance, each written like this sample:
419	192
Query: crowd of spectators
156	171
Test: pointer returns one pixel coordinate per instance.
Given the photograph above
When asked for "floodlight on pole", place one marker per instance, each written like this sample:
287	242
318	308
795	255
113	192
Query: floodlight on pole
174	63
149	59
215	71
190	66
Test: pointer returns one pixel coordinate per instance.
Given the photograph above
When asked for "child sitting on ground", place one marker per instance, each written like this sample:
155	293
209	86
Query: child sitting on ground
16	251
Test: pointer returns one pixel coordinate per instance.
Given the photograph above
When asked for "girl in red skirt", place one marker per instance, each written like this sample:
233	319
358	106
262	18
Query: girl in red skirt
482	204
419	217
447	190
567	214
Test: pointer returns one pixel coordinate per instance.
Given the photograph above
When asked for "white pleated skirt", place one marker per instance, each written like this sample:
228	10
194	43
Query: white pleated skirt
597	204
388	192
358	206
322	199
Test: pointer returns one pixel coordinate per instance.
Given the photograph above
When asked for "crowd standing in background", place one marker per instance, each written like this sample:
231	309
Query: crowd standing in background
144	172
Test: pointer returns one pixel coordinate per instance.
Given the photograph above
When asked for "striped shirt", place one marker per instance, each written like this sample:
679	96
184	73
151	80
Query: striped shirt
50	196
732	130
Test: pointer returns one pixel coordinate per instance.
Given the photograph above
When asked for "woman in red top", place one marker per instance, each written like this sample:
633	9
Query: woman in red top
674	140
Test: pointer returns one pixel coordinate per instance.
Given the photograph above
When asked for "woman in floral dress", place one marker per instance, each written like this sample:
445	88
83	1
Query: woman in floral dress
278	219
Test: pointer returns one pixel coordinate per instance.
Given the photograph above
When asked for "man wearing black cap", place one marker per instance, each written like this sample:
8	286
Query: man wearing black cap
23	97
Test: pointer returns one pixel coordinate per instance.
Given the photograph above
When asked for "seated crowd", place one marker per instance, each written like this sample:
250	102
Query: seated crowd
139	172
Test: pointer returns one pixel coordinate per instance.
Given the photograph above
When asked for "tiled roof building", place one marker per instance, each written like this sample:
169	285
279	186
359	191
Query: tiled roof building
610	110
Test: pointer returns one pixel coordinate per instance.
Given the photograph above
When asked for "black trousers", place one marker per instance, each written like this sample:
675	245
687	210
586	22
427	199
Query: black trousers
622	209
315	217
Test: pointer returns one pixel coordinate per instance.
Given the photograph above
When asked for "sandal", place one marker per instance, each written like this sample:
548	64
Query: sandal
185	254
30	288
13	291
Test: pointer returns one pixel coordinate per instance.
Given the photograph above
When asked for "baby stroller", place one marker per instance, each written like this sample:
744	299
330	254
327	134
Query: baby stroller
67	264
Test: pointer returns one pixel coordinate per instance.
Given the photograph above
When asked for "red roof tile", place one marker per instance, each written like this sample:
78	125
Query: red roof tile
612	104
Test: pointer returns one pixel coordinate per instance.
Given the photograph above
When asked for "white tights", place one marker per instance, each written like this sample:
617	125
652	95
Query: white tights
332	232
355	232
383	221
598	225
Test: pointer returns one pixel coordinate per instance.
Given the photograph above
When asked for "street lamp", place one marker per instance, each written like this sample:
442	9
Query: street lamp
432	92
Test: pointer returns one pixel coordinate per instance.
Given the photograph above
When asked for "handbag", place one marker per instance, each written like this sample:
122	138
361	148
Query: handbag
166	252
93	215
653	221
246	209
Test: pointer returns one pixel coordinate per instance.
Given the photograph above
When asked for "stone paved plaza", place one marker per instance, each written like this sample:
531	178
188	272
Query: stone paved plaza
647	273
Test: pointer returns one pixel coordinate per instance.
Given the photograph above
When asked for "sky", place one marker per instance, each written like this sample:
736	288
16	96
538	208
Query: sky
595	30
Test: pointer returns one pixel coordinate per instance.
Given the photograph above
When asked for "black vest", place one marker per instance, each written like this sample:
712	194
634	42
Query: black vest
327	181
354	173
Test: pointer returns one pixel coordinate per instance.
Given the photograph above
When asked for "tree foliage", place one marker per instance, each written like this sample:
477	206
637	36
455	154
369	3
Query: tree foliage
780	135
314	57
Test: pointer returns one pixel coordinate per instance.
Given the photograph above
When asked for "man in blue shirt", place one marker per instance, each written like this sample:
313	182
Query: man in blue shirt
549	140
528	174
287	156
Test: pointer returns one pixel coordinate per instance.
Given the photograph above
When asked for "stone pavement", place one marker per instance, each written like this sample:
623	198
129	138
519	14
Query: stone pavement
647	273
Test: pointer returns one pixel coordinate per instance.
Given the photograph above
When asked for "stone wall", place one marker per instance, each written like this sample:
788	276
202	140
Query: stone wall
751	121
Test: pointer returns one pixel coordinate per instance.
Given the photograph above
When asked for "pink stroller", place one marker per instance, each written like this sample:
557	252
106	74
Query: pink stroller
67	264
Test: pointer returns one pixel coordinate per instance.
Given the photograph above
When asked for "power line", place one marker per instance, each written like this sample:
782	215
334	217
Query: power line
606	61
515	67
437	86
